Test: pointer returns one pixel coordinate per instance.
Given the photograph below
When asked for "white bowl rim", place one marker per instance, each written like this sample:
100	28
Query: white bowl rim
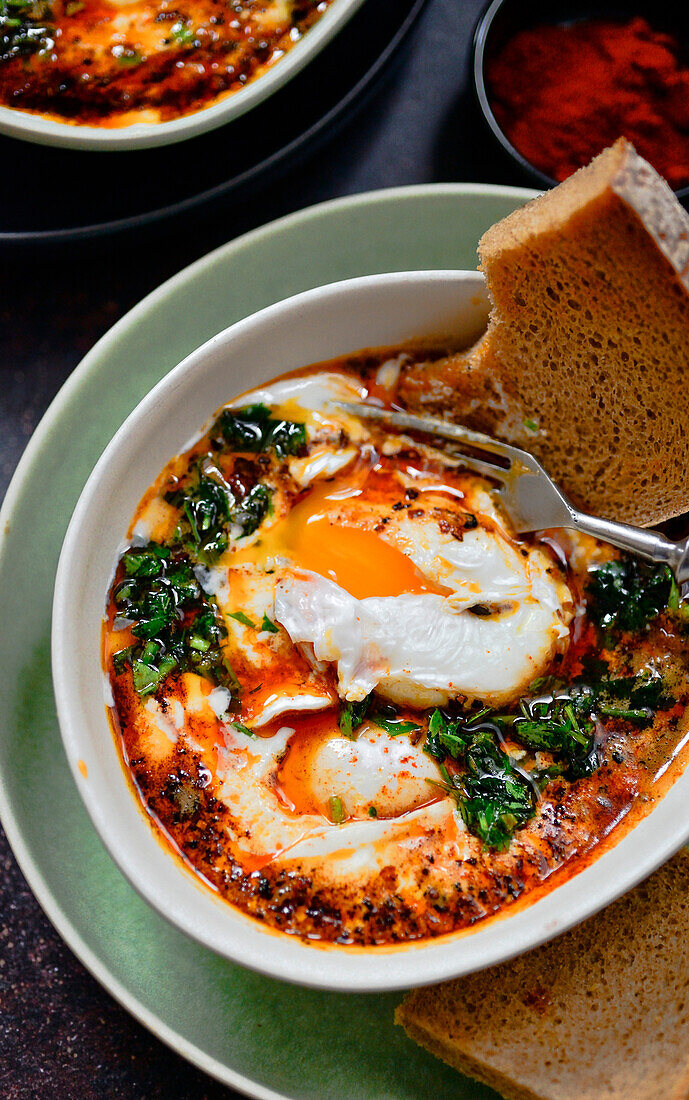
650	843
39	130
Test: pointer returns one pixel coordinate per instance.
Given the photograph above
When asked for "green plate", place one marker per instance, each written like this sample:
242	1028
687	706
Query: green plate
261	1036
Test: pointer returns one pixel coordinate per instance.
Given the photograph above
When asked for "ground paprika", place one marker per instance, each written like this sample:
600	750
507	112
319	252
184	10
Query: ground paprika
563	93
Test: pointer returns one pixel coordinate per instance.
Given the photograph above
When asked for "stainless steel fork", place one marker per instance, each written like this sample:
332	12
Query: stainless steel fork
531	499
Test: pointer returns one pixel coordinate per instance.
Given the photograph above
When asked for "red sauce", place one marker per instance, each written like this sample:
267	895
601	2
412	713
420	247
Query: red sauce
96	63
435	881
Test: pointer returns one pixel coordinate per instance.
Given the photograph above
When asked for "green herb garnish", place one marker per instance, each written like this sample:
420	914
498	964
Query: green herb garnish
253	429
337	810
446	738
250	511
352	715
178	627
128	58
269	625
182	33
386	718
210	510
627	594
557	728
25	27
493	797
242	618
205	506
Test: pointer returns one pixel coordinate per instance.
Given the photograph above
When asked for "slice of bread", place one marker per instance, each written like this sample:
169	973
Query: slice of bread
588	339
602	1013
590	333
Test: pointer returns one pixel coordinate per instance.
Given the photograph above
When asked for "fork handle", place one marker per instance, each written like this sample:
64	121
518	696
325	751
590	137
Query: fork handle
647	544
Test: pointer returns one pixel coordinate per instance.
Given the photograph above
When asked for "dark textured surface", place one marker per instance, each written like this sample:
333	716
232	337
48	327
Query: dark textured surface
61	1035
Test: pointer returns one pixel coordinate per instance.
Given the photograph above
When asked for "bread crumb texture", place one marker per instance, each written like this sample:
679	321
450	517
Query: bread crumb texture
590	334
601	1013
588	338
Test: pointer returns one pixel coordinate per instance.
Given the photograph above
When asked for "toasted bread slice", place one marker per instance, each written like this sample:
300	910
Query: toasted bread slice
590	333
585	359
602	1013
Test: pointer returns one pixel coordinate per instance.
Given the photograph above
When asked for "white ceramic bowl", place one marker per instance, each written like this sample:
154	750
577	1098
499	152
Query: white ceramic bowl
319	324
46	131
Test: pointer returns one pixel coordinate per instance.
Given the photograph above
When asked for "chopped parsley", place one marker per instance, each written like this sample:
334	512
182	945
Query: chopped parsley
387	718
210	511
269	625
253	429
445	737
634	698
493	797
252	509
243	619
556	727
24	27
126	57
626	594
177	627
182	34
205	516
352	715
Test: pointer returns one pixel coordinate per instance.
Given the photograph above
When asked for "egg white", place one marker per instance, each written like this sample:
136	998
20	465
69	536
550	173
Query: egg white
416	649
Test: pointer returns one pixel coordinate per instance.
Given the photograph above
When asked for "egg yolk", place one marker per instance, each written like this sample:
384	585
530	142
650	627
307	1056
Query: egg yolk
356	559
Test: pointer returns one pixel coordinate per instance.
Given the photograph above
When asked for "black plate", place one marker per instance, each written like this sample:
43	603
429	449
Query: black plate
51	194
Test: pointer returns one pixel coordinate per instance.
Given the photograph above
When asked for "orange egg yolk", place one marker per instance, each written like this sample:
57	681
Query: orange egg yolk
356	559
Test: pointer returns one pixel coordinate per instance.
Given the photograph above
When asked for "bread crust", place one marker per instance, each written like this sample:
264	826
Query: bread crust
589	335
588	339
602	1013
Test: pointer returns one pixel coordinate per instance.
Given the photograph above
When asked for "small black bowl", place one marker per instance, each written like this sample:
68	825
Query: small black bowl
502	19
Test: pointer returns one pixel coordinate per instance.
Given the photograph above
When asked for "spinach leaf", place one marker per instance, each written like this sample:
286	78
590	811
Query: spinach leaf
253	429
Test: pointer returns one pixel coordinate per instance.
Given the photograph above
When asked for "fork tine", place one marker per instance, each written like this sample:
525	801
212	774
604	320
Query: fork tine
456	432
478	466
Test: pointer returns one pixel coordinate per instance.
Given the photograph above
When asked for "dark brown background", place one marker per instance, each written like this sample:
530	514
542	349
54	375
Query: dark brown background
61	1034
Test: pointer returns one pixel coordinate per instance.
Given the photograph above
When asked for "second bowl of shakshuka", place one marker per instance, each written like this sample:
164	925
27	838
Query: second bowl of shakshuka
329	713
